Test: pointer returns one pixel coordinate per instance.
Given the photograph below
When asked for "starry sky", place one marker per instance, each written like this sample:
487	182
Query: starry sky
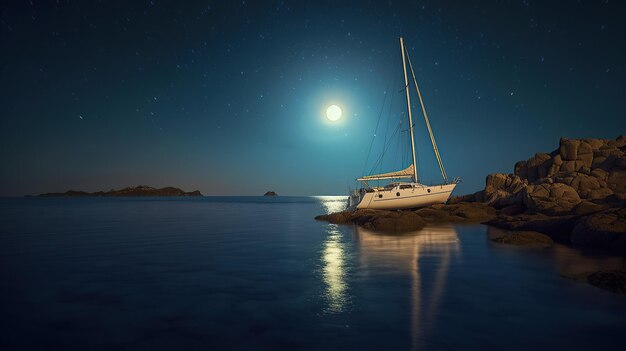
229	97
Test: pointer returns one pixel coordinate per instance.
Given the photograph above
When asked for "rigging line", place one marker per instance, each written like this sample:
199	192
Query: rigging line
388	141
430	131
407	150
380	158
382	107
389	119
385	138
401	149
406	130
398	148
379	161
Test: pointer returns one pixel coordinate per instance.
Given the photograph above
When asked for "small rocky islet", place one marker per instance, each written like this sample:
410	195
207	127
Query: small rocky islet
140	190
574	195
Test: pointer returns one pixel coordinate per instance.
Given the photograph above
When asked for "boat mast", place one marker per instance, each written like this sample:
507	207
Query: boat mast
408	104
430	131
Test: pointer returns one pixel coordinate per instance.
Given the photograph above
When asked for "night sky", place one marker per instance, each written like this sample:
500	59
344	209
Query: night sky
229	97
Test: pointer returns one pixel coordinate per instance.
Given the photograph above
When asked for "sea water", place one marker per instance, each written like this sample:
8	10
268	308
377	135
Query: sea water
244	273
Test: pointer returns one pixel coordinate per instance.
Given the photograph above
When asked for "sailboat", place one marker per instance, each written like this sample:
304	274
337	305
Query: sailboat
404	195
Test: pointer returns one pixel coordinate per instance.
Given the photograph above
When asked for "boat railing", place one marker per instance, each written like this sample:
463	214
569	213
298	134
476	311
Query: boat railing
455	180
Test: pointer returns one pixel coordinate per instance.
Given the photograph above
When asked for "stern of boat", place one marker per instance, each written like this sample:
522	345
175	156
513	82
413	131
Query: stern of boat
355	198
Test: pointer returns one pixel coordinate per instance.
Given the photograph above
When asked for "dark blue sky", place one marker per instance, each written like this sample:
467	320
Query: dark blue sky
228	97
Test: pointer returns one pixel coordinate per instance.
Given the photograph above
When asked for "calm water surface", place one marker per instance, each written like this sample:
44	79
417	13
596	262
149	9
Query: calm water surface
259	273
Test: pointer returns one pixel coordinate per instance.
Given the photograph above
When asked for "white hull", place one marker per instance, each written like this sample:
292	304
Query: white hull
402	196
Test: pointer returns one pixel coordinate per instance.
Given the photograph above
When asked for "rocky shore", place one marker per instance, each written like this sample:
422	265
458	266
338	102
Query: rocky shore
575	194
140	190
398	221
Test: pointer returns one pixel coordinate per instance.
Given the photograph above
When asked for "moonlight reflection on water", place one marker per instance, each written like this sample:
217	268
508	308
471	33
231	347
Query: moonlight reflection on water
334	271
403	253
333	204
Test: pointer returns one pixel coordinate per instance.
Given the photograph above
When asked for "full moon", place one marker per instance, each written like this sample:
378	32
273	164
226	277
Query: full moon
333	113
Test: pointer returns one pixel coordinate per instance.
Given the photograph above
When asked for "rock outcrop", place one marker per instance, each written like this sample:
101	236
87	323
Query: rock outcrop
591	170
140	190
270	193
576	194
379	220
457	213
403	221
550	198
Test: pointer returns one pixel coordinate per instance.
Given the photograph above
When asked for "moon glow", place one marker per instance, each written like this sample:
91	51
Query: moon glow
333	113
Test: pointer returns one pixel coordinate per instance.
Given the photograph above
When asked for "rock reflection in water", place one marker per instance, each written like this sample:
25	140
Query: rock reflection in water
403	252
569	261
333	257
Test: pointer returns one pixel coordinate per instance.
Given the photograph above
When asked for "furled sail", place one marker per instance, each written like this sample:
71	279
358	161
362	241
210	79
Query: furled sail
405	173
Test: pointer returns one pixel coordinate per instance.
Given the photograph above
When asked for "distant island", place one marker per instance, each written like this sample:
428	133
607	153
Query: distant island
140	190
270	193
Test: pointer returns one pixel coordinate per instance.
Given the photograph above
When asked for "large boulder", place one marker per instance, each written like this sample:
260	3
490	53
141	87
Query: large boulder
617	181
587	186
503	190
550	198
586	208
568	149
521	169
584	156
538	166
335	218
535	168
393	221
379	220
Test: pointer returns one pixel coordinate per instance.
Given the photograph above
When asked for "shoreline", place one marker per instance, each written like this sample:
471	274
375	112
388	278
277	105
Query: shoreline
575	194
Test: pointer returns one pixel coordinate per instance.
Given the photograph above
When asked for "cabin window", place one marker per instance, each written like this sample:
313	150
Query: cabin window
398	194
406	186
380	196
428	190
